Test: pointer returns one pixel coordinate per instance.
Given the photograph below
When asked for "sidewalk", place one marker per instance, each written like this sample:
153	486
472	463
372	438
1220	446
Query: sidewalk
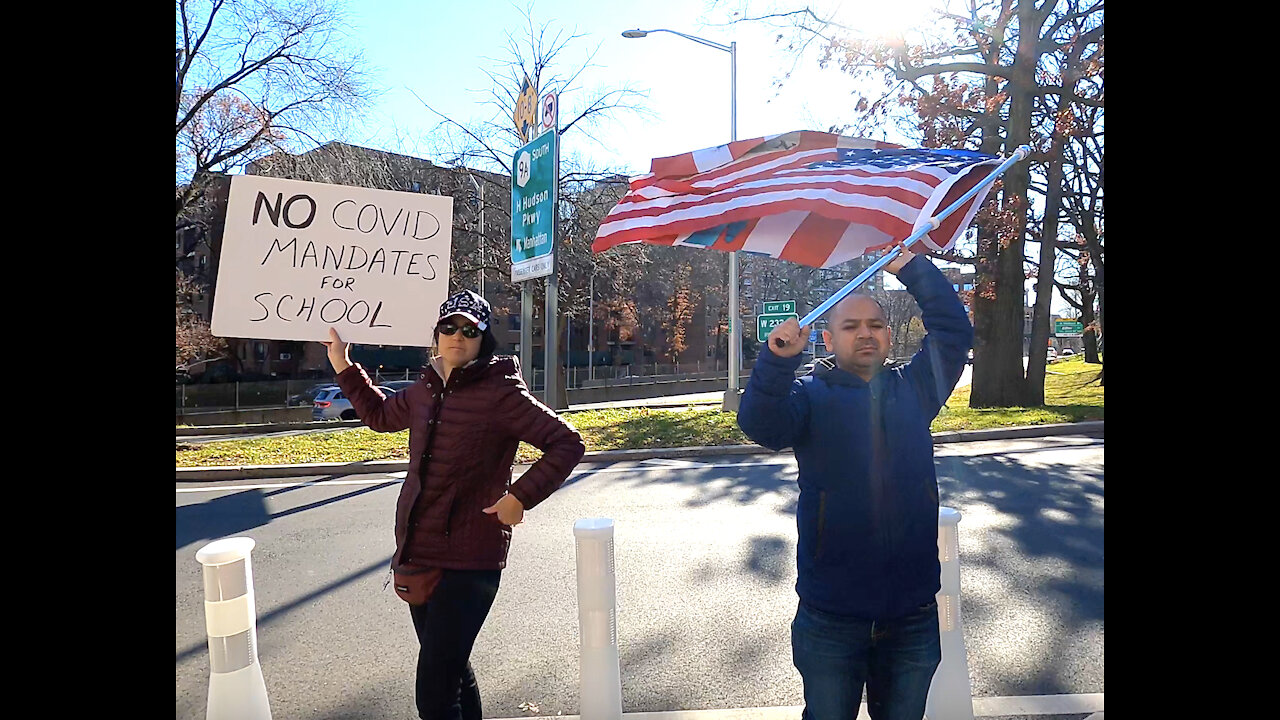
1032	707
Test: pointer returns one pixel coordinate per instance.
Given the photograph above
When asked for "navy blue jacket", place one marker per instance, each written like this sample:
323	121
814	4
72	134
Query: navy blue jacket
868	509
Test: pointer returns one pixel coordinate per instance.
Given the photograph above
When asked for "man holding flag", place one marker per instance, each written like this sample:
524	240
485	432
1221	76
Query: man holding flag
867	552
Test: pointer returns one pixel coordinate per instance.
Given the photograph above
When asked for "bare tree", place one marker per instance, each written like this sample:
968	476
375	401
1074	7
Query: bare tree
539	52
256	76
195	344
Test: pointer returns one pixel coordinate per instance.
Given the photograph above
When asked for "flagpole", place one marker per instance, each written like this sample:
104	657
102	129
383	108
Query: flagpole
934	222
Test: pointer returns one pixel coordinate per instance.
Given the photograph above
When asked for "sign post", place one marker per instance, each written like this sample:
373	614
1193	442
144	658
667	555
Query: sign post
534	219
533	205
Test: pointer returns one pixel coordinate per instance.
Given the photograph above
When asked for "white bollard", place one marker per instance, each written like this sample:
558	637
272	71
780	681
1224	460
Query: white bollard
599	676
950	695
237	690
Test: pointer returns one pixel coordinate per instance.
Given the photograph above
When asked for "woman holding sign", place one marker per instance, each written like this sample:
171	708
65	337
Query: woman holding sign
466	416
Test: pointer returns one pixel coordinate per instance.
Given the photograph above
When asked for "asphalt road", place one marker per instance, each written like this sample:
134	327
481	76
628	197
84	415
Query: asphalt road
705	564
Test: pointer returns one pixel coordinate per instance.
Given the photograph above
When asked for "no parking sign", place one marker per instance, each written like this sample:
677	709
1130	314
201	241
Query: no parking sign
549	111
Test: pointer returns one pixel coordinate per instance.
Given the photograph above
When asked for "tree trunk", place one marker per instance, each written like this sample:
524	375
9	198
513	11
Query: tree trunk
1037	358
997	306
1087	316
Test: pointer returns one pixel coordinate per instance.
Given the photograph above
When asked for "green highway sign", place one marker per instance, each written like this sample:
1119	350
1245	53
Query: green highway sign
772	307
1068	328
533	202
768	321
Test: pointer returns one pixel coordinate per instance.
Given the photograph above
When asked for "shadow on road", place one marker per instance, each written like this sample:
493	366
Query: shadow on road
1040	527
239	512
1040	524
221	517
265	619
751	483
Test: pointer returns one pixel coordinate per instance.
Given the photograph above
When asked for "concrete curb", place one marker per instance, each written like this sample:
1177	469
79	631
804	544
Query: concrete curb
262	427
1093	428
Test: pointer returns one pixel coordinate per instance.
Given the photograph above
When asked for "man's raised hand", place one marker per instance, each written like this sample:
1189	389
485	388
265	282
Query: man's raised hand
788	339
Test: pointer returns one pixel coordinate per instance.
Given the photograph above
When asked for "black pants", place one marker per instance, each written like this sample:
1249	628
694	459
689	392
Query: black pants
447	626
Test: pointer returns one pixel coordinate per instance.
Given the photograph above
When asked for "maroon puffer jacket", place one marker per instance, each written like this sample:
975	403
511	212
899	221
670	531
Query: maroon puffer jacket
463	439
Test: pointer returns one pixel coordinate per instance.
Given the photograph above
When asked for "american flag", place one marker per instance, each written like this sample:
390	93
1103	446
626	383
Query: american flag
813	198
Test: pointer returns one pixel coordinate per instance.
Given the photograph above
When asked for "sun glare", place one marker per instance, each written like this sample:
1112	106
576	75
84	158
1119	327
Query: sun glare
878	18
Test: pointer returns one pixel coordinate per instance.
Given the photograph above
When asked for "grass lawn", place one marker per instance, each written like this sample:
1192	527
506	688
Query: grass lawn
1071	395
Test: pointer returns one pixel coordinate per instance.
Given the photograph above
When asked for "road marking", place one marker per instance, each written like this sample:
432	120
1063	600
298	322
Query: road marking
640	467
673	463
275	486
1038	704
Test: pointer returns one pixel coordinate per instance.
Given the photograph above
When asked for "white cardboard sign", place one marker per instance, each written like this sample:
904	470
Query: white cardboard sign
301	257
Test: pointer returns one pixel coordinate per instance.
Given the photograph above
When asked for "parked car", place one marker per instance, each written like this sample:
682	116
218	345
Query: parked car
969	360
398	385
1068	351
308	396
804	369
331	404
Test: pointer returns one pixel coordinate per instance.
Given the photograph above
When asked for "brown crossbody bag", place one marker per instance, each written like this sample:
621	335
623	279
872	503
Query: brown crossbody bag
414	585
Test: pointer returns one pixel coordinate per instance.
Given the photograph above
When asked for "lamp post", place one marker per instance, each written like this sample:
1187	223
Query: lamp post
479	186
735	332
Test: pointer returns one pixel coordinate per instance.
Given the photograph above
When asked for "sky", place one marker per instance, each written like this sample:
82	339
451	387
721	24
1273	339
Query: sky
438	51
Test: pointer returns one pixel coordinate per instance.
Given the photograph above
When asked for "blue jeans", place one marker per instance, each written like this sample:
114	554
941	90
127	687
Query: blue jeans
837	655
447	626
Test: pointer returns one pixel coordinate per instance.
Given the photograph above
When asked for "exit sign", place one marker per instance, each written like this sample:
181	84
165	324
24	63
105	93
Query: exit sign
773	307
1068	328
767	322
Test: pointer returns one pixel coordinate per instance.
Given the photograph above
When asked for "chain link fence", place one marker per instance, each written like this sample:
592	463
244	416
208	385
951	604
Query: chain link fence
216	397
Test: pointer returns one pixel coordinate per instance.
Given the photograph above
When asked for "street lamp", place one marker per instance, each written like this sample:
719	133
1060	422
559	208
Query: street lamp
479	186
735	332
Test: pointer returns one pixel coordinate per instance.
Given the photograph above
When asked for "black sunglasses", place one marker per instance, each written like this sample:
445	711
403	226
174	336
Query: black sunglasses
468	331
